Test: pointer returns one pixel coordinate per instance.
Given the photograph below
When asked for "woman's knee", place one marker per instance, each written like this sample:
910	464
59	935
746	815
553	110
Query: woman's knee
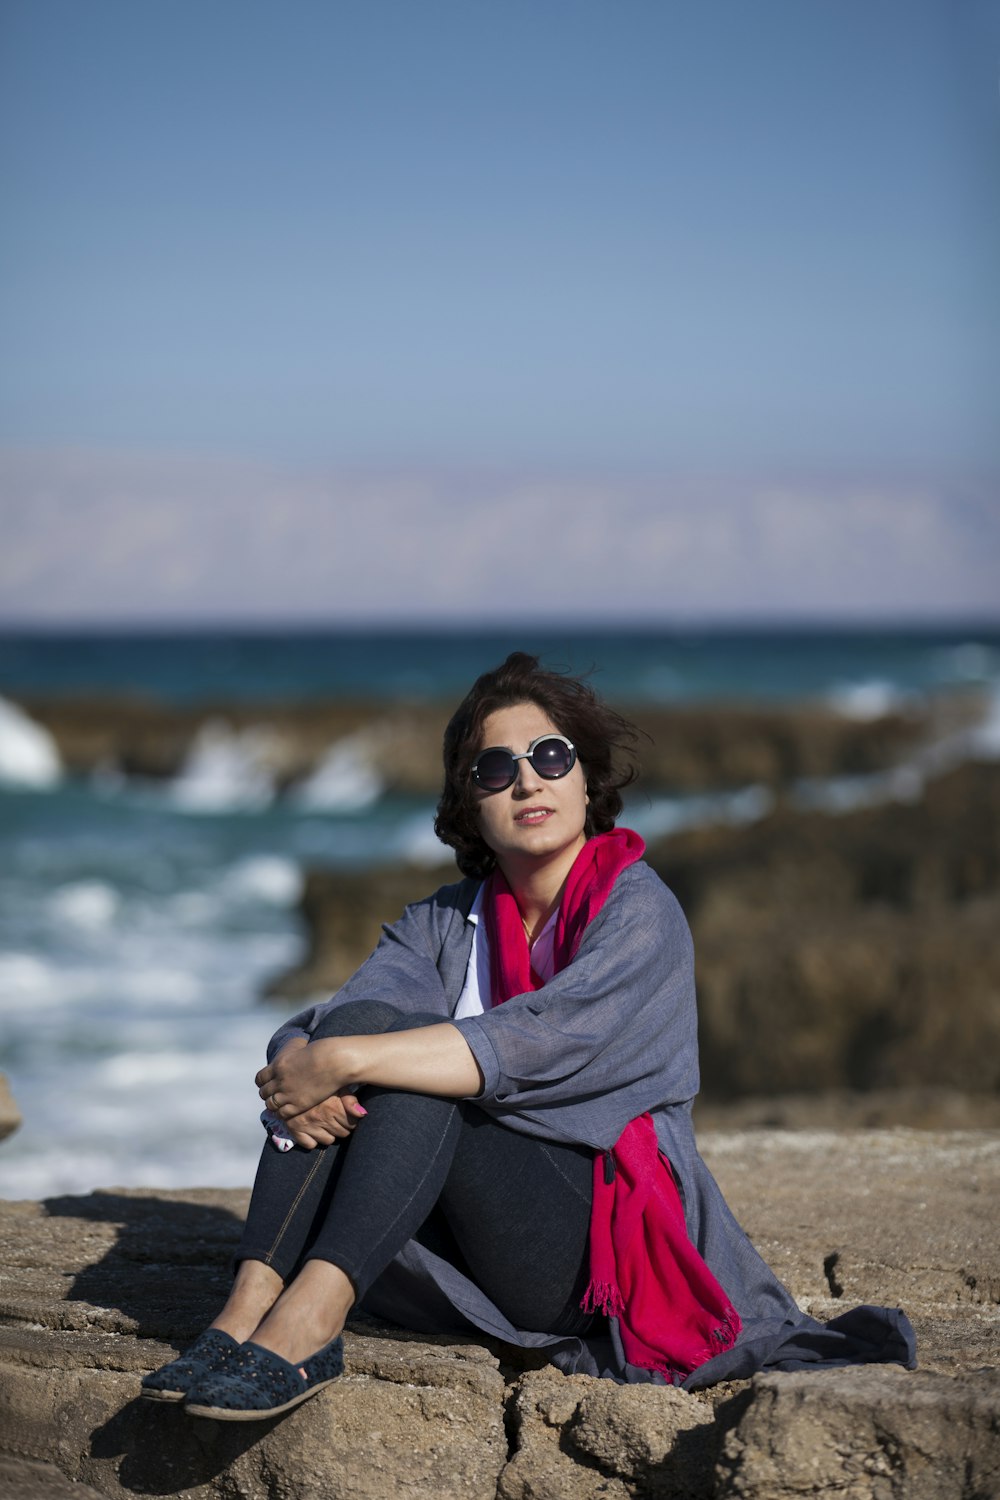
370	1017
358	1018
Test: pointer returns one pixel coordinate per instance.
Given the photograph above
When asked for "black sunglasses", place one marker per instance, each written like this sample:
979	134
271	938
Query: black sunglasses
551	756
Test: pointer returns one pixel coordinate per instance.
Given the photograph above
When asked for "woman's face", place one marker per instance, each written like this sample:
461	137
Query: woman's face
534	820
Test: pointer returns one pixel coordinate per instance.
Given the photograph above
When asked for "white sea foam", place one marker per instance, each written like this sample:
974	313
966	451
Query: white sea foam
986	734
264	878
87	904
664	816
345	780
28	754
153	1073
225	770
141	1070
844	794
979	741
870	699
23	975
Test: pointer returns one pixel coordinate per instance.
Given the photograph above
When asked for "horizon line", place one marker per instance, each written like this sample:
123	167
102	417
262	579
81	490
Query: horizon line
760	623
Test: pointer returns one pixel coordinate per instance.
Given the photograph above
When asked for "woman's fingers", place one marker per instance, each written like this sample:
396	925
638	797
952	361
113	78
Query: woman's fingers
267	1073
326	1122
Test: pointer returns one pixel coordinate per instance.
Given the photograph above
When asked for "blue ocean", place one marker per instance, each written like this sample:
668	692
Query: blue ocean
139	920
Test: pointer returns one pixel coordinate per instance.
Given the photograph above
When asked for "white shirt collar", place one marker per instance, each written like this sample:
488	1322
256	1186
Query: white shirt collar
476	909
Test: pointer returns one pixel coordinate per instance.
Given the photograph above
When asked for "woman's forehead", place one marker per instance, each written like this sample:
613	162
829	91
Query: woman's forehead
516	726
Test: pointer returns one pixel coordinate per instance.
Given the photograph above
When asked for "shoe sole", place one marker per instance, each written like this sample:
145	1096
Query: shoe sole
253	1413
163	1395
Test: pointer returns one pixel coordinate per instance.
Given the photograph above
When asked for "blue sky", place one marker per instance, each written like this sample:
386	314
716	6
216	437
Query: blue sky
446	253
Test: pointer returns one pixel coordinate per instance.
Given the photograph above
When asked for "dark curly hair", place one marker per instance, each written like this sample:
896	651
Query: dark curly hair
604	741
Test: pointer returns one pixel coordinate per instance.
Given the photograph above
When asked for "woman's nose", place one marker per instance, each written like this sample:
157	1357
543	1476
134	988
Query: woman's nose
528	779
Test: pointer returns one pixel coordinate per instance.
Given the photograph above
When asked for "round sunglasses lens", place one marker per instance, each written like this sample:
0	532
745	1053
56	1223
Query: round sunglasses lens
552	758
495	770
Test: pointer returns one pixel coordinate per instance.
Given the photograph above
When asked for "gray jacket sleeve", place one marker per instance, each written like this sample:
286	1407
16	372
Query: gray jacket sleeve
610	1036
405	968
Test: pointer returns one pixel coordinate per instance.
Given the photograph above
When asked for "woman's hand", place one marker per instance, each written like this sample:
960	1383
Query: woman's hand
304	1075
333	1120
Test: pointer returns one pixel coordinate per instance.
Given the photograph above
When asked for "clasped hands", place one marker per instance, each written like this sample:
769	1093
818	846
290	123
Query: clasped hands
296	1086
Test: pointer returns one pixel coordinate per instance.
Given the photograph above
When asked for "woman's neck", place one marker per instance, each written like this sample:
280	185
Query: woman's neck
538	888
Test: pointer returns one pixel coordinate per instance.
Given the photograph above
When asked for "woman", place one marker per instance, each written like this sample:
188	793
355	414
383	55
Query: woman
523	1161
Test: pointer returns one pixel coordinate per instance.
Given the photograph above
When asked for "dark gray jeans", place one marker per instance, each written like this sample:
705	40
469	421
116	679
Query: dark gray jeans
510	1210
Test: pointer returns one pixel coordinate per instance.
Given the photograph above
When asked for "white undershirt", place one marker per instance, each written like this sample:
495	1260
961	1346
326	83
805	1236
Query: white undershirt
477	975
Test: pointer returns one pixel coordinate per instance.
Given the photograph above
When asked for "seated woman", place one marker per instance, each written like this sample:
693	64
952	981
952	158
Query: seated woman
490	1124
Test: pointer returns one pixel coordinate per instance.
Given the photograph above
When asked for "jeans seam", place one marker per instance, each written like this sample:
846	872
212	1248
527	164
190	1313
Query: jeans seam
568	1180
292	1210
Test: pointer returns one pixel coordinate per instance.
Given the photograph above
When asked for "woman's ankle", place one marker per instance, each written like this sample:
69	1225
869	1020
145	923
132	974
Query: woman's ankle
311	1312
254	1293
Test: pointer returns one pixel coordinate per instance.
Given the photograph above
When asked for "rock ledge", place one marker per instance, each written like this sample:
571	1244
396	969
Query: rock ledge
97	1289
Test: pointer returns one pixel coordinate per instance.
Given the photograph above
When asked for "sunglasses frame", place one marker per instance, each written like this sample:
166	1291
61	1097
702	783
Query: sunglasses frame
525	755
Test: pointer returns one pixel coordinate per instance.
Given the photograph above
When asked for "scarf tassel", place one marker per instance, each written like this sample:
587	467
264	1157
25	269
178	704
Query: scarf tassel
722	1338
604	1297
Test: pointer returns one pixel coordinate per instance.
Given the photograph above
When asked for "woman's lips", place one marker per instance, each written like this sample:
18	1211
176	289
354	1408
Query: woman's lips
533	815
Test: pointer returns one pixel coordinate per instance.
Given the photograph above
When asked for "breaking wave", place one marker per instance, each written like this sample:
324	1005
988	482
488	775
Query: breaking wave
345	780
225	770
28	754
873	698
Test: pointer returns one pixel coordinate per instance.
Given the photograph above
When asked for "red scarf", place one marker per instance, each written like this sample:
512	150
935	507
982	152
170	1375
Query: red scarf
644	1270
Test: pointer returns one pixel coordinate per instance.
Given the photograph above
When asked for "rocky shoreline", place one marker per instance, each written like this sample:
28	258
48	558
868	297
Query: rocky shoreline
682	748
95	1290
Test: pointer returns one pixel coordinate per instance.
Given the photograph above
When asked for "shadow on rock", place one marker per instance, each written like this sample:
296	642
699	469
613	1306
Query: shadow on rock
167	1272
163	1452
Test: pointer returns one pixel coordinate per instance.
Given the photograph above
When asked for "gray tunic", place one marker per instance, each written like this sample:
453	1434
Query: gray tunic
611	1036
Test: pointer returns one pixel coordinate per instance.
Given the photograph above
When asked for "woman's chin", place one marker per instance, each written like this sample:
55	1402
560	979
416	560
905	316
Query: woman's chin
542	842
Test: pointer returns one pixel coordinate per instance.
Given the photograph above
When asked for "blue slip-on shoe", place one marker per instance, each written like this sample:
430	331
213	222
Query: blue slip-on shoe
210	1353
258	1384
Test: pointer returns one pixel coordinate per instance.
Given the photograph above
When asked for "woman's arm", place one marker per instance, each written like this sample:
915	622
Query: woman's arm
425	1060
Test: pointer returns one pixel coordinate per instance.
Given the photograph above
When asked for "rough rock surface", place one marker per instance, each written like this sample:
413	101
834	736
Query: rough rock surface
867	942
10	1115
872	1433
95	1290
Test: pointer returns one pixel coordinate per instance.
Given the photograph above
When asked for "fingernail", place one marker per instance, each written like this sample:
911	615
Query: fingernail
359	1109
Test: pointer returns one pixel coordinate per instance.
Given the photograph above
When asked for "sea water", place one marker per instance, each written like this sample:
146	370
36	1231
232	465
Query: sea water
139	922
